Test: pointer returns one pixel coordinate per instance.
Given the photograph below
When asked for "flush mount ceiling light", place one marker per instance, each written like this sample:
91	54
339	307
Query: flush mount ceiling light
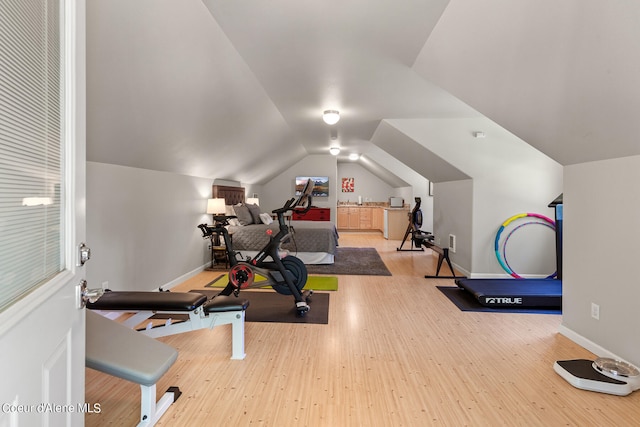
334	150
331	117
354	156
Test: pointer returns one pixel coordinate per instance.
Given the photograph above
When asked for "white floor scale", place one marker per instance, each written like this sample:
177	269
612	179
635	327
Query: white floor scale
604	375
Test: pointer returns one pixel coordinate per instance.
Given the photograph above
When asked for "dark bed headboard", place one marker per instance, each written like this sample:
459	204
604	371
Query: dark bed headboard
231	195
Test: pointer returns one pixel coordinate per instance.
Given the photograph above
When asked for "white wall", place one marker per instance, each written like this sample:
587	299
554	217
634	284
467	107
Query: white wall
142	224
274	193
560	75
141	227
366	185
418	185
453	214
509	177
499	194
282	187
601	238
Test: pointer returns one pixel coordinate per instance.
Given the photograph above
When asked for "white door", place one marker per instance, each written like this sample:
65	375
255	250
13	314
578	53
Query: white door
42	333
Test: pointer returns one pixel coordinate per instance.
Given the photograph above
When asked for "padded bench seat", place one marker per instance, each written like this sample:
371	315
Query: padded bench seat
148	301
222	303
136	357
119	351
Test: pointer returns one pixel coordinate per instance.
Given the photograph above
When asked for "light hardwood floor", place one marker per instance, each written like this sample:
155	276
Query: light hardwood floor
396	352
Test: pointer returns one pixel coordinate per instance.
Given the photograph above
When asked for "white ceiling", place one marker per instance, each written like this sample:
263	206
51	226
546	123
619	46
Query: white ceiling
562	76
234	89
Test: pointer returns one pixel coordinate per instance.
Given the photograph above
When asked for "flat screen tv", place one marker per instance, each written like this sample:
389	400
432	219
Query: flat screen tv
320	187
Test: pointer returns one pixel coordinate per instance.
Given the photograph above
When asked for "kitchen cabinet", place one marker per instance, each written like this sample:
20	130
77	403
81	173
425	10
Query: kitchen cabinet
360	218
348	218
365	222
396	222
377	218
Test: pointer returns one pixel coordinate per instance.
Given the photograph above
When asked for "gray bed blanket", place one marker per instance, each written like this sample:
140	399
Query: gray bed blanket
308	236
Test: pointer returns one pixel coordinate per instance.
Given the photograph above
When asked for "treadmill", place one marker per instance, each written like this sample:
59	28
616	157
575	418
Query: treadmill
528	293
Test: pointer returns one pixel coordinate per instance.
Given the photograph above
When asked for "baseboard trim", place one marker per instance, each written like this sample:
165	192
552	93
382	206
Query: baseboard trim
504	276
460	269
587	344
184	277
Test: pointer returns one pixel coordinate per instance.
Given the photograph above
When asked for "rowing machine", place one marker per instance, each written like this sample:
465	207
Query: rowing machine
418	237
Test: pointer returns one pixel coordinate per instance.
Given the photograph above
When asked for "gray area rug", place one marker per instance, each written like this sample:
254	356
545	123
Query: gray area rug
353	261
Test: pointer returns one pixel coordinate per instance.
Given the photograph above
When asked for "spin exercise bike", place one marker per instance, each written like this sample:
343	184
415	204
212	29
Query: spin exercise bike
286	275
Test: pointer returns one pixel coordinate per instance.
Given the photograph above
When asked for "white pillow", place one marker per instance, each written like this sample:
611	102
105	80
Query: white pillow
228	210
266	218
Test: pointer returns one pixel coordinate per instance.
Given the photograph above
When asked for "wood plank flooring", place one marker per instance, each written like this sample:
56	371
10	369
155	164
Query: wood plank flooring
396	352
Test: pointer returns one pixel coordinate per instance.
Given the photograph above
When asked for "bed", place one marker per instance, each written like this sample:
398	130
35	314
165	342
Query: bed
314	242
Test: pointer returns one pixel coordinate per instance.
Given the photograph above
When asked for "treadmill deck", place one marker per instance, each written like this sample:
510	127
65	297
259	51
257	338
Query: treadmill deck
515	292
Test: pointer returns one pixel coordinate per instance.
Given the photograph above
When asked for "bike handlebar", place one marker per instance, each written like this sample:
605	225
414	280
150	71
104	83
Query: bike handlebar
292	204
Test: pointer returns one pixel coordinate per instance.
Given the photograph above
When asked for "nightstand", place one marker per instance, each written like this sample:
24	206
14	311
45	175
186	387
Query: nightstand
219	256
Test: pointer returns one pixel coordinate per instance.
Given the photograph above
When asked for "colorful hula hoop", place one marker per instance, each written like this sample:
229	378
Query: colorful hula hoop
502	258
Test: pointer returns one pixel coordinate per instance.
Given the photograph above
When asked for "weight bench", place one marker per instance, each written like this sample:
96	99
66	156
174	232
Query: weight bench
193	310
119	351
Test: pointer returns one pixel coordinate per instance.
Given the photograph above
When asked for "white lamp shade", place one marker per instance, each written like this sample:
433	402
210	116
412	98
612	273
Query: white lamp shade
331	117
253	201
215	206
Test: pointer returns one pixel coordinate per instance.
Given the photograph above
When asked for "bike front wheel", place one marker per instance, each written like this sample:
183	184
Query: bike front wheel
298	273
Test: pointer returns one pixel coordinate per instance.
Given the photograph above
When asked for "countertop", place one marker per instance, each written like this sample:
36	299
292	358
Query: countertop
373	206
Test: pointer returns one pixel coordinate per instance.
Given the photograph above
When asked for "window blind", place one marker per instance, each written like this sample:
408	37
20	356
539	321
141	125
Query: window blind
31	216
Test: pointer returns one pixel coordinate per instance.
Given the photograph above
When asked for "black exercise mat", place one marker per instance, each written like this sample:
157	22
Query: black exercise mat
270	306
465	301
355	261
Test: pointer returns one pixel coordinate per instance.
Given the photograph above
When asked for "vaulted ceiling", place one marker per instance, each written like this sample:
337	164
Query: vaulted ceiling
234	89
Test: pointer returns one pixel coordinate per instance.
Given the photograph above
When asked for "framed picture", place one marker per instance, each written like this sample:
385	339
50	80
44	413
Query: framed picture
347	185
320	185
